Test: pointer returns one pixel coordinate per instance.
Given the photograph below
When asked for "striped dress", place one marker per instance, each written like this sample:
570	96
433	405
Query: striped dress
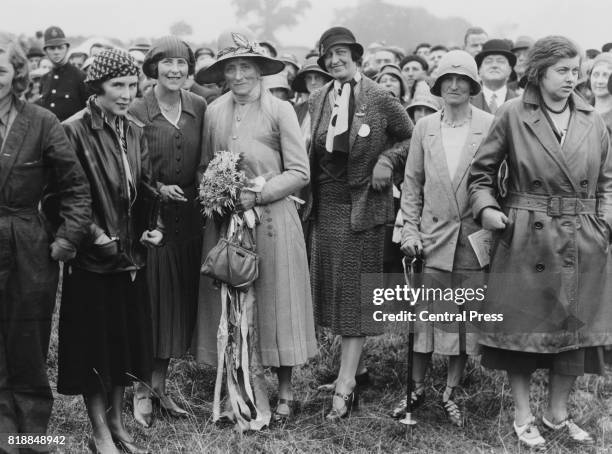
173	269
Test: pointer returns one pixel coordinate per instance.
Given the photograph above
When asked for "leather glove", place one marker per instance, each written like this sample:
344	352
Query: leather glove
382	173
62	250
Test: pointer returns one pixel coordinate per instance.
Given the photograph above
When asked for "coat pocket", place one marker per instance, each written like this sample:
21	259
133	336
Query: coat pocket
106	250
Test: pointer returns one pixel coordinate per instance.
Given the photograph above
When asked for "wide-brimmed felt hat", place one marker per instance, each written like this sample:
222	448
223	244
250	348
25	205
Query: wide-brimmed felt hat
395	71
522	43
278	80
335	36
237	43
496	47
167	47
291	59
427	101
457	62
309	66
54	36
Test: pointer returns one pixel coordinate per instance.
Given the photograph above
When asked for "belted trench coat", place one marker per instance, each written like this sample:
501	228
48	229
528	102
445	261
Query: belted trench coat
548	267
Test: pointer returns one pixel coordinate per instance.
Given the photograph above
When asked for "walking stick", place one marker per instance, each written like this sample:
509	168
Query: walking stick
409	274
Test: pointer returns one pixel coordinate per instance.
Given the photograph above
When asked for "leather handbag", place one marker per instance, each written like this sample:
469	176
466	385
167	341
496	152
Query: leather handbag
233	260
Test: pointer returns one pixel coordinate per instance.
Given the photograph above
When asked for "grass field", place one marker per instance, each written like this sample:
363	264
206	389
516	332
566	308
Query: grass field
484	396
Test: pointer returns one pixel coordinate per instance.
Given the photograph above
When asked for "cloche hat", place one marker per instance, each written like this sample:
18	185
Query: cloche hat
457	62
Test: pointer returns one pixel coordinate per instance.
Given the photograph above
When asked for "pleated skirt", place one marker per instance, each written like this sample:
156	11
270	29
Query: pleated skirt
173	272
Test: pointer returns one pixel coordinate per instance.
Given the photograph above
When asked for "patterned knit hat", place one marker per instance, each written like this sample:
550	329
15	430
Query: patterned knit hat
111	63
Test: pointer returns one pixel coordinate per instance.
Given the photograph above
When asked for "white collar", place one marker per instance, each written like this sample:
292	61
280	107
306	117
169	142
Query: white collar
500	94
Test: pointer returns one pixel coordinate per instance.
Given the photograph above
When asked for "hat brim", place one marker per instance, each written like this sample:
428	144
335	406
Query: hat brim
474	84
215	72
509	55
358	48
411	107
56	42
299	84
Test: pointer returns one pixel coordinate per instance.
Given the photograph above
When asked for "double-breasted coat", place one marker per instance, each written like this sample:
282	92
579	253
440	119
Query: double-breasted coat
548	269
436	211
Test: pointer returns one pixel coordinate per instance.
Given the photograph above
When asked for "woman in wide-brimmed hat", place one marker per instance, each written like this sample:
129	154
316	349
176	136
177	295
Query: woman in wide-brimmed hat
360	135
438	221
264	130
173	123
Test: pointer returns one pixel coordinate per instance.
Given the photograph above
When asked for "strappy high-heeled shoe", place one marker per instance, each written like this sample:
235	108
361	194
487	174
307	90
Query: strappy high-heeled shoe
351	402
417	398
363	380
450	407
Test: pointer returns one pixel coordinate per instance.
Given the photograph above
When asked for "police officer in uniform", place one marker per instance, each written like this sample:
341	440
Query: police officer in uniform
63	89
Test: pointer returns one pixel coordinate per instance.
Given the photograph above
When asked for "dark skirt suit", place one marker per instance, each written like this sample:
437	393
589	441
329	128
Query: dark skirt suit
548	269
348	216
173	269
105	335
35	155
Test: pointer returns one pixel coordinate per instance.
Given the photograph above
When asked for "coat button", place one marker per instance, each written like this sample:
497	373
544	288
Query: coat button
537	184
178	170
538	225
67	96
53	91
52	104
56	77
584	183
539	267
435	219
178	158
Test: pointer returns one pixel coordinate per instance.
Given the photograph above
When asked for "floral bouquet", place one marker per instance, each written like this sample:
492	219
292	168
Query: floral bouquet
221	184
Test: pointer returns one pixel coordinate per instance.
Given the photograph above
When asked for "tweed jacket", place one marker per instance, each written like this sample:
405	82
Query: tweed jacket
384	130
479	99
436	209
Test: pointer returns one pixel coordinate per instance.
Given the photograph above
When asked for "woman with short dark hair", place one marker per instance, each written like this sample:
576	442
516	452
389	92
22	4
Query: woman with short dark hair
173	124
105	318
548	268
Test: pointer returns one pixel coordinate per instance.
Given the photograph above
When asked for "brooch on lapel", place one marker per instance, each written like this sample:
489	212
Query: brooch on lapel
361	111
364	131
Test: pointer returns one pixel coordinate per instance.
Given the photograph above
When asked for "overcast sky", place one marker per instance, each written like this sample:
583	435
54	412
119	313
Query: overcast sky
586	21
